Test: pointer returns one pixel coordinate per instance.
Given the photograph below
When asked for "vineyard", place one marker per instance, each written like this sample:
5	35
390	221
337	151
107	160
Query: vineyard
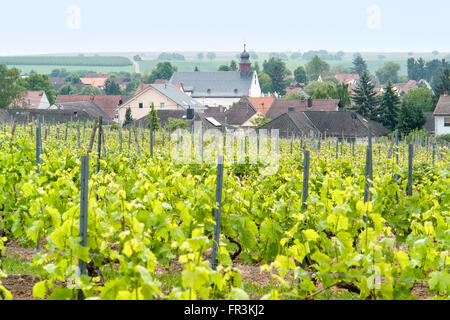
104	226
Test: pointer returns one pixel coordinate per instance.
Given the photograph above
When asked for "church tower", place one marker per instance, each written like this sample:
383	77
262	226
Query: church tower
245	64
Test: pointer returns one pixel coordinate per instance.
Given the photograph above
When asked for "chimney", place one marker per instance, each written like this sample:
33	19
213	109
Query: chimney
309	103
92	98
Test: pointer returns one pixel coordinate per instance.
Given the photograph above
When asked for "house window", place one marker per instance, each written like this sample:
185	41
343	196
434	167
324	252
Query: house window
446	122
141	105
162	105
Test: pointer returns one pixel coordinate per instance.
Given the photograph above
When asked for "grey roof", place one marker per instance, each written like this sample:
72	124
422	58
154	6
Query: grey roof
173	93
57	116
215	84
331	123
91	108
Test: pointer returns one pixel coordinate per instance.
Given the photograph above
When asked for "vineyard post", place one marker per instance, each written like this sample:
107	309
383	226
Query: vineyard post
84	129
337	146
368	171
301	142
305	179
103	142
57	132
99	143
396	154
342	142
31	127
67	128
78	136
38	143
410	169
136	142
129	138
318	143
292	142
13	131
91	141
217	211
83	214
120	138
151	136
45	134
163	139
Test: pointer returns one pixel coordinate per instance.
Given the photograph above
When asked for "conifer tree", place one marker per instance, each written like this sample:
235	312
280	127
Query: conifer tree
128	117
389	108
154	116
359	65
364	97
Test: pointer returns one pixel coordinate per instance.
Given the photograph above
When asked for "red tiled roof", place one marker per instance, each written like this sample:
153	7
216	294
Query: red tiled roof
342	77
262	104
443	106
32	100
281	106
95	82
107	103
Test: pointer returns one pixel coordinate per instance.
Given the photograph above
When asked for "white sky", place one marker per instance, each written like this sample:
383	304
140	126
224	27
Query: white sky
65	26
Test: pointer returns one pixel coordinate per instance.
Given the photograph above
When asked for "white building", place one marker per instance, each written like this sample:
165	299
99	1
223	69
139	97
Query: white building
442	115
221	88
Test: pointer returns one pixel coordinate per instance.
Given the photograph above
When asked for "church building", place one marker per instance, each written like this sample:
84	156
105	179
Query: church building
220	88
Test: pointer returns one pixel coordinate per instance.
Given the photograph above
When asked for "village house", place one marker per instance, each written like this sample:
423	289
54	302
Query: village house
220	88
90	107
442	115
162	96
342	124
108	104
348	78
33	100
281	106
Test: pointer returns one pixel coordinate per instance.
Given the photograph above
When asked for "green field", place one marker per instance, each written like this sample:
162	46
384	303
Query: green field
48	69
372	59
107	64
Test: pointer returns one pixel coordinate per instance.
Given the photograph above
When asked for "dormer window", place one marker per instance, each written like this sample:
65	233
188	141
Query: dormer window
208	91
235	91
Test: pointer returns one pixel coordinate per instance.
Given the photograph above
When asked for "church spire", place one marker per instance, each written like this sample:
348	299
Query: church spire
245	63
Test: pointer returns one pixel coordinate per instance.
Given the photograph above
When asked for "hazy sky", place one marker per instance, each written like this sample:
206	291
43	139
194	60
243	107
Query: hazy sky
44	26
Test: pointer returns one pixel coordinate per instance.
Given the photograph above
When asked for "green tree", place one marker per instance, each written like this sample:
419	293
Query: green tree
331	79
276	69
154	116
67	89
224	68
342	93
320	90
388	72
365	97
233	65
388	111
131	87
59	73
9	90
91	91
423	96
256	67
174	123
260	120
36	82
339	68
315	67
163	70
265	82
444	85
128	117
300	75
295	95
359	65
410	118
73	79
112	88
211	55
